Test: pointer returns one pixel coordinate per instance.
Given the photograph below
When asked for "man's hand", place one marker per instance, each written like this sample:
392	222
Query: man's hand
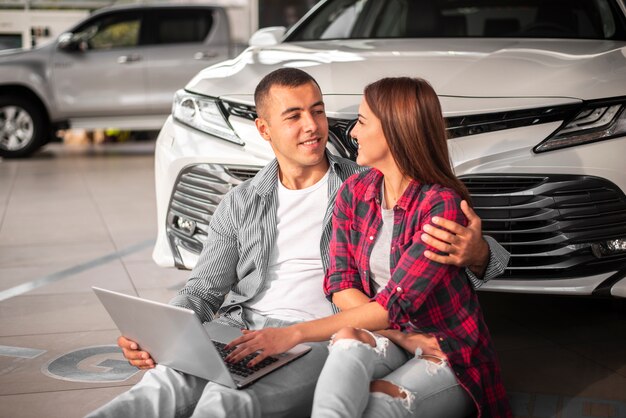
267	342
136	357
465	246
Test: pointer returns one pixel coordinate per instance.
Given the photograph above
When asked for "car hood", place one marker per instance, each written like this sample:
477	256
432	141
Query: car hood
19	56
478	68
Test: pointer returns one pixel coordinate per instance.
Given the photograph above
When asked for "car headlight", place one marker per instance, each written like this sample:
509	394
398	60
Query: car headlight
203	114
595	122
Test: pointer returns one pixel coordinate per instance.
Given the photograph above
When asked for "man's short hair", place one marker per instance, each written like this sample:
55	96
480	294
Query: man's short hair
284	77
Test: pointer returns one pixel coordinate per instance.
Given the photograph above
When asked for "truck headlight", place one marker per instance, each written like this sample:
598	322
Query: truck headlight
203	114
595	122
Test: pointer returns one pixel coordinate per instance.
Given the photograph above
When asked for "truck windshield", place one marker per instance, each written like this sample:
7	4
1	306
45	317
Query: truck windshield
375	19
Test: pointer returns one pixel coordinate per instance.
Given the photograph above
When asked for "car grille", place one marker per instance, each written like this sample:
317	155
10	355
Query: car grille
197	192
547	223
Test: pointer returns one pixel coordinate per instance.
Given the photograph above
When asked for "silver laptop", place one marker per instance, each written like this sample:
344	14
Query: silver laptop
175	337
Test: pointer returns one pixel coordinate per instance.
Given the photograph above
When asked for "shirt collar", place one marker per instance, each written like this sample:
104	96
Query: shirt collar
375	180
265	181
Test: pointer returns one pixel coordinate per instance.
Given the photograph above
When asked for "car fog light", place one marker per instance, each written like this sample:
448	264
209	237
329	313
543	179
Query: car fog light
186	226
609	248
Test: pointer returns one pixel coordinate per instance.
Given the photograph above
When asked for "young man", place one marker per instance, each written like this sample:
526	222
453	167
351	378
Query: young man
264	261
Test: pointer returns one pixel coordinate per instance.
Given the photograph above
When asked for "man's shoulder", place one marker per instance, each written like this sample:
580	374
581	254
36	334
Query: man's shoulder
345	167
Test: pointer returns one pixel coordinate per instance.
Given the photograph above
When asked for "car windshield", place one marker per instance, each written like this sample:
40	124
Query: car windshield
375	19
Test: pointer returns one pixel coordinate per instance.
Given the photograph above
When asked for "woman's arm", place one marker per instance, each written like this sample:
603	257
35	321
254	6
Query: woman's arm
415	277
270	341
350	298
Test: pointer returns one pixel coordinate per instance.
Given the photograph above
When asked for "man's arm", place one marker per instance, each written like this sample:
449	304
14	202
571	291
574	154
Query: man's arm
212	277
216	270
483	257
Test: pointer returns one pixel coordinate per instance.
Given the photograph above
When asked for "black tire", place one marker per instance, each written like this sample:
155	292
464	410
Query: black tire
24	127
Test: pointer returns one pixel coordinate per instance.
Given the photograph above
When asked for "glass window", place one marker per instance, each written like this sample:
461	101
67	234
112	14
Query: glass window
577	19
186	26
9	41
111	32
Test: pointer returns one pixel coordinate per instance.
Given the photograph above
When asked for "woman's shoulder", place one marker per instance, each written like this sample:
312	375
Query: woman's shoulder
436	193
439	198
442	201
361	179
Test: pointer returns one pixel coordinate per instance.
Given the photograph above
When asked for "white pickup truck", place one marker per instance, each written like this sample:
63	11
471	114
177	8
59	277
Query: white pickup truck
118	68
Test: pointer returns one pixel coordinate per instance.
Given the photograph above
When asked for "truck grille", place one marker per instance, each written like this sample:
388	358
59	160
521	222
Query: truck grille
547	223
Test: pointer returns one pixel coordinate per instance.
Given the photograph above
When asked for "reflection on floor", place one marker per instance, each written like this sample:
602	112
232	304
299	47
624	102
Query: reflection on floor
72	218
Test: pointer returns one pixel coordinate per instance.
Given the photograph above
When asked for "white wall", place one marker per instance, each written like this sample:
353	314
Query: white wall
21	22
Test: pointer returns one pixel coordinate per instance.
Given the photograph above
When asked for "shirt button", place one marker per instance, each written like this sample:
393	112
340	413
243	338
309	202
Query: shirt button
371	237
399	289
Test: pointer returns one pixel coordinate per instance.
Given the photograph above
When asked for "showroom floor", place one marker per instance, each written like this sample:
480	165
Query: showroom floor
72	218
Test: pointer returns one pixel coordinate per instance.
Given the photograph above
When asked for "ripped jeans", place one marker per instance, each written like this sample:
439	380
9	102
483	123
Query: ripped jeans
428	389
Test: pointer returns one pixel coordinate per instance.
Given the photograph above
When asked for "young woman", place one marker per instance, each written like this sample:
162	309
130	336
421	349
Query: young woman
401	135
381	280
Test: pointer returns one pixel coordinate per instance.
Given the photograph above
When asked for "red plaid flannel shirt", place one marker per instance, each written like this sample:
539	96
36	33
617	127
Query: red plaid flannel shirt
422	296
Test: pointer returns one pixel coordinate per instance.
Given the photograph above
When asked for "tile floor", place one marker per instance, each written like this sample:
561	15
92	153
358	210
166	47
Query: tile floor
71	218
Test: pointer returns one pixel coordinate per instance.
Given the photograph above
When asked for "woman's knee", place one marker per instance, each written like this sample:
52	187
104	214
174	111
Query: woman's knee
388	388
388	398
356	334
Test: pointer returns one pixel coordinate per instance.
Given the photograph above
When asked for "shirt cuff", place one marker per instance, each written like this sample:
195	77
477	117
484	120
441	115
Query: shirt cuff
195	304
498	260
339	281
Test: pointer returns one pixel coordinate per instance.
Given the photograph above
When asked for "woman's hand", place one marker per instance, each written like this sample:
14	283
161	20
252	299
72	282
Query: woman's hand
267	342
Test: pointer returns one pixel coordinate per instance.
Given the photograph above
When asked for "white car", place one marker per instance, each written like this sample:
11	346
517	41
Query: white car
533	92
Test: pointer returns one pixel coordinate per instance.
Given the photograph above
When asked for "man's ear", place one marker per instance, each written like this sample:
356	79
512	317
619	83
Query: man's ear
263	127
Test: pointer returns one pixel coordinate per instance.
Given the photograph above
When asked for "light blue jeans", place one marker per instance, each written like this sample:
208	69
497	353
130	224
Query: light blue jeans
429	389
164	392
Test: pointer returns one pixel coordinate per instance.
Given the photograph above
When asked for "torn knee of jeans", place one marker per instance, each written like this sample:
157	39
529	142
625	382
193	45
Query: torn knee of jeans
344	342
435	363
397	393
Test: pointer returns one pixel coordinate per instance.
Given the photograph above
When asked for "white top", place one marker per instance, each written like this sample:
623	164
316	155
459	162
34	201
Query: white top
380	264
293	287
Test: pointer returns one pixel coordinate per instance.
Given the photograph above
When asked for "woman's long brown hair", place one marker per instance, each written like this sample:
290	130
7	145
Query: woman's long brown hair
412	121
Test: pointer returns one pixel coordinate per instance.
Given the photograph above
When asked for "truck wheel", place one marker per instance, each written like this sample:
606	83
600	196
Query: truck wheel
23	127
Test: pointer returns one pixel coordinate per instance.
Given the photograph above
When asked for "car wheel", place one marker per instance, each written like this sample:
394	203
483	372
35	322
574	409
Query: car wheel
23	127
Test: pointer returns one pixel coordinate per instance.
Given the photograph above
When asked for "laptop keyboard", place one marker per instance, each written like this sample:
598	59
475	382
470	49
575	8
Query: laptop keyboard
241	368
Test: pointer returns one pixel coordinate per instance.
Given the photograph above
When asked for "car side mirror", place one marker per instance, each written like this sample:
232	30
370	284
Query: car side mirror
69	43
267	36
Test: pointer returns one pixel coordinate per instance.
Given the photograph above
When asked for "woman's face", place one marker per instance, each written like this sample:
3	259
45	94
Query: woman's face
368	132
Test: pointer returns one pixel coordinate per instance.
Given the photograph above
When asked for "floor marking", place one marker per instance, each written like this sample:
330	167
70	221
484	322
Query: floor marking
98	364
20	352
64	274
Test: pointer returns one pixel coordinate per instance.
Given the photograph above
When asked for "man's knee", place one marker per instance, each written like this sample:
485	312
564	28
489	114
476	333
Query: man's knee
350	333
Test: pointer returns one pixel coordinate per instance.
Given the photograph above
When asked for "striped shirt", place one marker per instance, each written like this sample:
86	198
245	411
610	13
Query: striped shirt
234	261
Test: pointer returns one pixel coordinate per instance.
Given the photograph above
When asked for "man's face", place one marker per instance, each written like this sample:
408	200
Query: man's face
294	123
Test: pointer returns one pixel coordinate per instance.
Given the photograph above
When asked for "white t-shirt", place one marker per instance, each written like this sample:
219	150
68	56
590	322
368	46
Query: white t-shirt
380	264
293	287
